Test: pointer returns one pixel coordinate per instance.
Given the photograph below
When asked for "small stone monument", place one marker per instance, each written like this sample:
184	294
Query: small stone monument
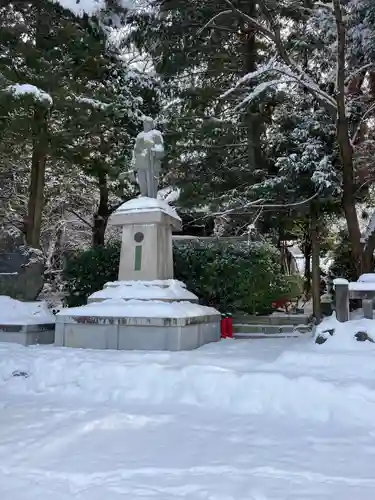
146	308
21	267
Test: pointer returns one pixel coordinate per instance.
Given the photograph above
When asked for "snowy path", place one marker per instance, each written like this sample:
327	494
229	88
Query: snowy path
233	421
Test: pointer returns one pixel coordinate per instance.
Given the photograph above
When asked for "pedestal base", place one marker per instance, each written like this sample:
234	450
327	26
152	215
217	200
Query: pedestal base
28	334
137	325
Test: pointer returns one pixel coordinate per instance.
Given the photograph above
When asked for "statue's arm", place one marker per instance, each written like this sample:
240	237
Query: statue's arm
138	146
158	147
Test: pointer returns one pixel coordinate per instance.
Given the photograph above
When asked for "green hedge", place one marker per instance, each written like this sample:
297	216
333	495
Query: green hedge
242	278
86	272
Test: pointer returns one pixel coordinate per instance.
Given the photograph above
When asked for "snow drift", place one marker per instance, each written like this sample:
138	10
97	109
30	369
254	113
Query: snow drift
193	379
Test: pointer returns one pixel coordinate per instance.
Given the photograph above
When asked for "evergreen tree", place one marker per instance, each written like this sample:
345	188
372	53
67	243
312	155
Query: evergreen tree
69	100
211	157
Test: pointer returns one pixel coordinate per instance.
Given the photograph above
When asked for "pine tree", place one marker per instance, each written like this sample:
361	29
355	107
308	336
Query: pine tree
210	157
69	100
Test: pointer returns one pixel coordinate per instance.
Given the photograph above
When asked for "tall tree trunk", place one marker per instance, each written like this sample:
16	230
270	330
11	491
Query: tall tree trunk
307	271
252	116
33	220
35	206
315	261
102	214
344	142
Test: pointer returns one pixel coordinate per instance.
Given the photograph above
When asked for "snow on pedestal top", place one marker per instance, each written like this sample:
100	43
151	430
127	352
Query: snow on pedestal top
15	312
163	290
145	204
118	308
367	278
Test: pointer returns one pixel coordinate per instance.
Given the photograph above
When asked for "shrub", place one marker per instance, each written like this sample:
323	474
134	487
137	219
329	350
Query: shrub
242	278
87	271
294	286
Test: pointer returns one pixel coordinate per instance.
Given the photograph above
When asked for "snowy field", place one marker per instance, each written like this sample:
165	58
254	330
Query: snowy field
238	420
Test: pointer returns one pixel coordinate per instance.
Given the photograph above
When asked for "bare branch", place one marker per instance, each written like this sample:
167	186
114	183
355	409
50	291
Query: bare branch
363	118
252	22
358	71
78	217
216	16
277	36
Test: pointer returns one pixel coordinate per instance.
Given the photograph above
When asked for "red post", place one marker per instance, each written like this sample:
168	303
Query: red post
223	326
229	326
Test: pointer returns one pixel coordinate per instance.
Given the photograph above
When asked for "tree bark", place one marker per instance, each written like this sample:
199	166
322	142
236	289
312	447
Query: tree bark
307	272
315	260
33	220
252	117
345	146
102	214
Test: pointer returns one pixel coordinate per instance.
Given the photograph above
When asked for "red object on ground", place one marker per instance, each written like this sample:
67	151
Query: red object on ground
279	304
223	326
229	327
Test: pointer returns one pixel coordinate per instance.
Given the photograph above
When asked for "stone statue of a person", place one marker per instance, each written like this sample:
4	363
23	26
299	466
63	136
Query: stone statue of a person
147	155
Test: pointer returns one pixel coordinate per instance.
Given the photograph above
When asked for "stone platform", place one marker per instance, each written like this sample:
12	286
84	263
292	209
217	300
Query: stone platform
26	323
28	334
137	325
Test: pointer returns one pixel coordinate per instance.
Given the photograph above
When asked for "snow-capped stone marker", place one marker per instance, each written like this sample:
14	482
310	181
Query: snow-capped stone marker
146	246
342	299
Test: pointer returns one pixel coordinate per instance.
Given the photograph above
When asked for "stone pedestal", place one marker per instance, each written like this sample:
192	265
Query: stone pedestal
138	325
146	246
146	309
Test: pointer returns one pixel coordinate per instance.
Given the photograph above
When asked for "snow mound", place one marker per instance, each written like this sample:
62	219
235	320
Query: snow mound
367	278
123	378
345	336
15	312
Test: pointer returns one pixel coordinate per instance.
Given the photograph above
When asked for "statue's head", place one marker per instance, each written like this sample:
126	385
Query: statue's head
148	124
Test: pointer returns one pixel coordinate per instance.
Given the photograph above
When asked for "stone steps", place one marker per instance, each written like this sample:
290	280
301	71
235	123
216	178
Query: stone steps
254	336
280	326
278	320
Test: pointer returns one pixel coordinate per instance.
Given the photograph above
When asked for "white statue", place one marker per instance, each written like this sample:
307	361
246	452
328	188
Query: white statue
147	155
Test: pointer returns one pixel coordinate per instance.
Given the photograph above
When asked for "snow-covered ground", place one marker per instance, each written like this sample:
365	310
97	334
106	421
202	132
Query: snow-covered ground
237	420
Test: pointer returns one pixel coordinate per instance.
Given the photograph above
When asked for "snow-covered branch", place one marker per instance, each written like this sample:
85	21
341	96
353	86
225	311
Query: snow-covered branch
259	89
363	118
273	67
20	90
358	71
93	7
260	204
